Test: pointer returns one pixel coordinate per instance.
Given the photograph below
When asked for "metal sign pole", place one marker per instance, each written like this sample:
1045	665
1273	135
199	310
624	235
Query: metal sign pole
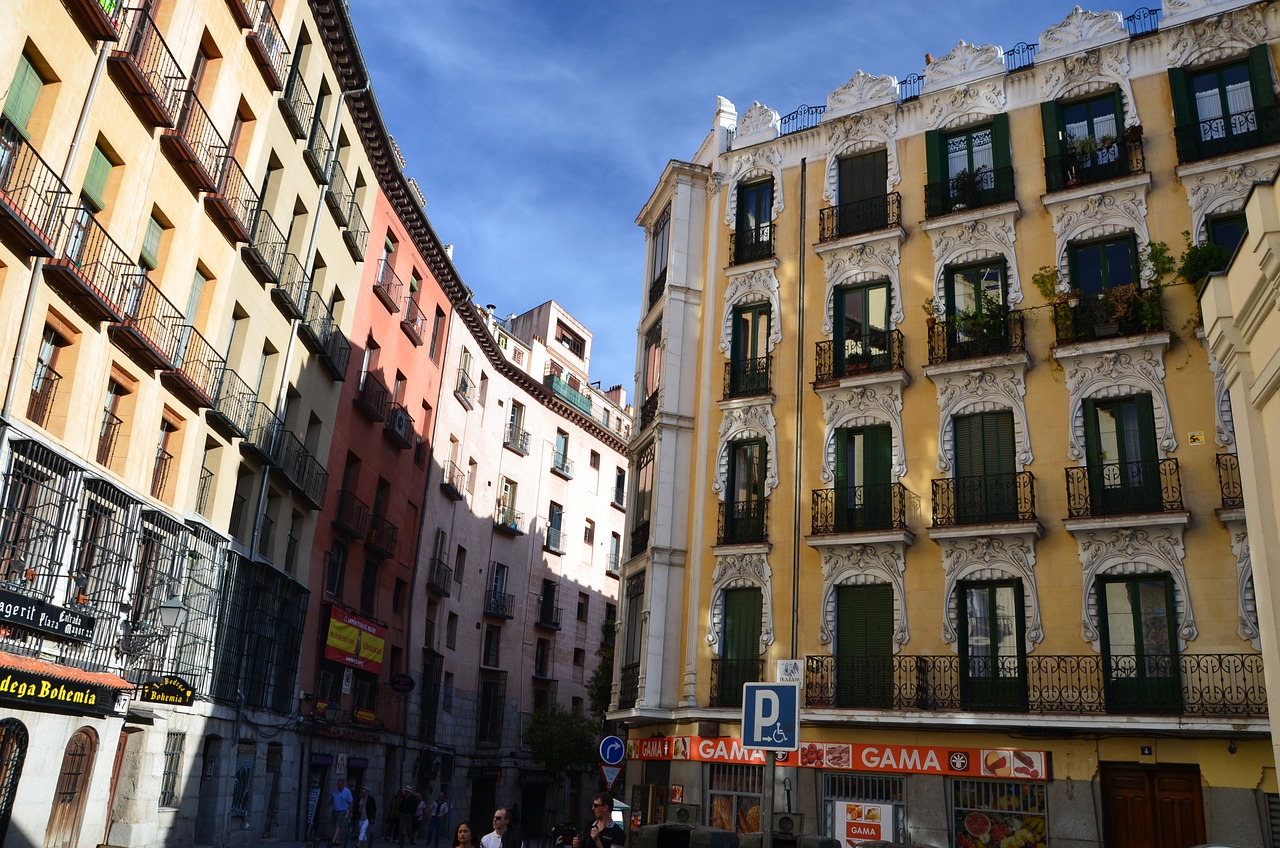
766	807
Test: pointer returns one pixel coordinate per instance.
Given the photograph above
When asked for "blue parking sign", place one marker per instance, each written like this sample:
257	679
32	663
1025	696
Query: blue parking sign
771	716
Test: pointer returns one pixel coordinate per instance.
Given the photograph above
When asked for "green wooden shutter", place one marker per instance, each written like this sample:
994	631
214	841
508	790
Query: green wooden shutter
864	620
1000	140
23	92
878	456
842	460
151	244
966	434
1051	118
1184	110
935	157
1260	79
95	179
1092	447
742	616
997	442
1146	428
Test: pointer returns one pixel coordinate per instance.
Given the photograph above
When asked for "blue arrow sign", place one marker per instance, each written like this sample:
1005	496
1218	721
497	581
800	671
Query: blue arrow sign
612	750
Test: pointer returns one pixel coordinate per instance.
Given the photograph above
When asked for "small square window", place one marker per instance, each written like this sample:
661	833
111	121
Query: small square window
595	460
579	657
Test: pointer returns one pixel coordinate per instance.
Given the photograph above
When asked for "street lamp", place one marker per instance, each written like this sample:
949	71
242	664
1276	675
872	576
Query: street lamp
140	635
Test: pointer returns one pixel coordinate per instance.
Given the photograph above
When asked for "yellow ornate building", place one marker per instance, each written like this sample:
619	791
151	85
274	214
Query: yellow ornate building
925	413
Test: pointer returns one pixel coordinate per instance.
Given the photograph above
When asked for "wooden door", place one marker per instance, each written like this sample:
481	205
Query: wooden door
1151	807
73	787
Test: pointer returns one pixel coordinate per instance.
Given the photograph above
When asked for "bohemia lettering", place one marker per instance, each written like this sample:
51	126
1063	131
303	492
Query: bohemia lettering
46	691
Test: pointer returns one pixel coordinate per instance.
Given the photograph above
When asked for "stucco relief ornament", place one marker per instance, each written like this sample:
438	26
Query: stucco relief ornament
752	287
757	162
1224	422
965	103
1248	601
995	388
1213	38
857	406
747	422
992	557
1129	551
862	91
972	241
1224	190
863	565
1101	214
870	260
865	130
734	571
1080	30
758	118
1115	374
1096	70
965	61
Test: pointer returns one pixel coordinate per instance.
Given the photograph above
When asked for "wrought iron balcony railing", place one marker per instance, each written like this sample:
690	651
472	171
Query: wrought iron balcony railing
373	397
152	325
414	322
337	352
399	428
297	105
1091	684
453	481
855	509
968	190
352	515
508	520
232	411
107	432
1231	133
1128	310
639	538
555	539
264	254
339	194
160	472
751	244
304	471
146	70
562	465
100	19
1228	481
261	435
984	499
382	536
268	47
204	488
290	293
860	216
31	195
197	369
516	439
613	564
233	203
649	410
1120	158
356	235
549	616
969	336
742	522
316	154
879	350
388	286
1123	488
628	685
44	390
657	287
499	604
620	496
748	377
90	271
465	388
727	677
439	577
194	146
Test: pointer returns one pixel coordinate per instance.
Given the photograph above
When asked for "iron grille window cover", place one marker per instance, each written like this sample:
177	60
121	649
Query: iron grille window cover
39	496
173	746
734	790
493	696
158	569
204	572
106	547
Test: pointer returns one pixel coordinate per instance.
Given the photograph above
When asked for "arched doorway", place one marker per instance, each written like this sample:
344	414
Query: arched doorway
73	784
13	752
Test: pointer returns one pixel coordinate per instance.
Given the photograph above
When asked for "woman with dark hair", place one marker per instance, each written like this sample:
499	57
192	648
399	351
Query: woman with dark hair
464	836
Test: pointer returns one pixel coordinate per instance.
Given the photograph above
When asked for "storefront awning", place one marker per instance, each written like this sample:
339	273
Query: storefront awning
41	685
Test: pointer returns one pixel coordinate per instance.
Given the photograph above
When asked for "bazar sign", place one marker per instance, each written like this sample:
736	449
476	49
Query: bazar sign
29	689
354	642
36	614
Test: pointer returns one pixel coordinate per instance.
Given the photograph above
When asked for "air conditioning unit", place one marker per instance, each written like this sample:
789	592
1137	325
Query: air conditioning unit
788	824
684	814
399	425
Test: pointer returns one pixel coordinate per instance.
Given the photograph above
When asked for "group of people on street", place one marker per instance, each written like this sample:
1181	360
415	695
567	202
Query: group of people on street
404	816
602	832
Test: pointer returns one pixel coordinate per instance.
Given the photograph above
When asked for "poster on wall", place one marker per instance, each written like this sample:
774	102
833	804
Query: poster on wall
867	823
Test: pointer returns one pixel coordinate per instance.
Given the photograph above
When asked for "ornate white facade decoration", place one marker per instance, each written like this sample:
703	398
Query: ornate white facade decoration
736	571
758	162
1223	190
752	287
1179	11
991	558
1214	38
863	131
966	104
749	421
966	62
1117	373
1224	425
1080	31
1106	213
1247	600
860	565
860	406
1134	550
863	91
986	390
758	123
1085	73
873	259
973	241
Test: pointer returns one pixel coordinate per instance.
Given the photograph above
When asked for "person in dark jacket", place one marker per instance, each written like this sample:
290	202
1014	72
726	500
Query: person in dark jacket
602	832
366	815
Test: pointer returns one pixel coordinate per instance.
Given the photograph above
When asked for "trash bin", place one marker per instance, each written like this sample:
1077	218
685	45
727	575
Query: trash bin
684	836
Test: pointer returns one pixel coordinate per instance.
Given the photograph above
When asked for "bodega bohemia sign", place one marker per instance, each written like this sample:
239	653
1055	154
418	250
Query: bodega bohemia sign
1011	763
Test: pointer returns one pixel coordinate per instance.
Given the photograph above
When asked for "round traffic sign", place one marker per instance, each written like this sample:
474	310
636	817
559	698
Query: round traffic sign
612	750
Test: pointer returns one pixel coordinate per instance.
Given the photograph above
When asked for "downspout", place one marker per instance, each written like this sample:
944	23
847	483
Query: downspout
795	528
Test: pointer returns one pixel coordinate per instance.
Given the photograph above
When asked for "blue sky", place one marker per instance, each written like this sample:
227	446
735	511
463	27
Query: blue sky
538	128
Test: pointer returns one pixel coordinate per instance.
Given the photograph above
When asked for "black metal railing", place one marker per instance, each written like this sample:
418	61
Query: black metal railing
297	105
261	434
748	245
91	271
317	151
44	389
107	433
265	251
639	538
968	190
233	406
151	325
499	604
290	293
337	352
453	480
508	519
860	216
1121	488
516	439
300	468
100	19
1143	22
628	685
555	539
1228	481
909	87
1230	133
742	522
803	118
352	514
234	201
878	350
439	576
339	194
1192	684
31	194
413	321
727	677
648	410
150	74
197	368
382	536
966	337
196	145
619	496
399	428
562	464
657	287
268	46
160	472
388	286
984	498
853	509
373	398
549	615
1020	57
1116	158
1128	310
204	488
746	377
356	235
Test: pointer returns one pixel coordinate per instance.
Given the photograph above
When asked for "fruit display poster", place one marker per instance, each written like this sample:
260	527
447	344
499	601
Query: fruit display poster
867	823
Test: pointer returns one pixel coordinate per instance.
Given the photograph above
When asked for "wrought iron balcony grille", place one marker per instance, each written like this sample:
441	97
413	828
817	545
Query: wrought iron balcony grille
751	244
620	495
91	271
44	390
499	604
290	293
742	522
232	411
160	472
146	70
984	187
100	19
268	47
1231	133
1229	481
300	468
1128	310
453	480
748	377
356	235
860	216
648	410
34	521
1143	22
195	146
1120	158
464	388
555	539
337	353
508	519
107	432
198	369
965	337
150	331
297	104
516	439
549	614
414	322
264	254
984	499
31	194
339	195
351	515
803	118
657	287
382	536
233	203
727	677
373	398
439	576
628	685
876	351
203	490
562	465
858	508
388	286
1121	488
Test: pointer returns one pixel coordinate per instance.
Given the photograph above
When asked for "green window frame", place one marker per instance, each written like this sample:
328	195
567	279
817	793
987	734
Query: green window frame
744	490
740	663
1101	265
149	256
1080	139
864	646
749	349
991	623
1138	624
969	167
1120	450
861	326
985	449
23	93
976	288
864	475
1216	108
861	192
94	190
755	205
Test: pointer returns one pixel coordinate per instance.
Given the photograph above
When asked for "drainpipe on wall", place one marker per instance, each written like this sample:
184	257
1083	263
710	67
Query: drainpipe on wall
795	525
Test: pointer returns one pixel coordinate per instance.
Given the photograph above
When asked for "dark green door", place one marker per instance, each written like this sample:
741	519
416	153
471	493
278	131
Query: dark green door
986	474
753	237
740	652
744	494
863	488
749	353
861	328
993	674
864	646
1120	442
1139	643
861	192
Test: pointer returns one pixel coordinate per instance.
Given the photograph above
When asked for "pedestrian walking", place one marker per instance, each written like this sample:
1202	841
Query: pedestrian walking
366	815
438	819
340	812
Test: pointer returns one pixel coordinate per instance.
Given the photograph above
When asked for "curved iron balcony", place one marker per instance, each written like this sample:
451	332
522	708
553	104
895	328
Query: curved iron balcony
879	350
31	195
966	337
727	677
1228	481
860	216
751	244
1120	158
742	522
1128	310
748	377
1124	488
1232	133
859	508
984	499
983	187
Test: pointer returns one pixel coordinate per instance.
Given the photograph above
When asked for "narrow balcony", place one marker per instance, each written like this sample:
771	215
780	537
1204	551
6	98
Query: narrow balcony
861	216
508	520
31	196
562	466
1124	488
968	336
968	190
160	472
1231	133
197	369
356	235
1095	163
414	322
290	294
548	615
1128	310
439	577
1228	481
337	353
99	20
242	12
44	391
204	488
317	151
194	147
613	565
232	203
657	287
399	430
316	321
373	398
856	509
382	537
261	436
91	271
388	286
628	686
151	327
108	431
640	538
338	195
351	517
146	70
453	481
985	499
498	604
232	411
560	388
297	105
264	254
300	468
649	410
464	389
516	439
555	540
727	678
742	522
748	377
875	352
751	245
268	48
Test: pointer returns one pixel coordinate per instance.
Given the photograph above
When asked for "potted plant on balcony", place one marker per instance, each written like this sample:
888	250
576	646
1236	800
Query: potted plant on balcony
965	186
985	324
932	311
1061	296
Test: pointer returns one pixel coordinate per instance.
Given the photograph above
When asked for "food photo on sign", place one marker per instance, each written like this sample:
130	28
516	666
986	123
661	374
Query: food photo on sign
867	823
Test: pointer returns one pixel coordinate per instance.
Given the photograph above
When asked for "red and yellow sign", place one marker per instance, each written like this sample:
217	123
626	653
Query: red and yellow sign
355	642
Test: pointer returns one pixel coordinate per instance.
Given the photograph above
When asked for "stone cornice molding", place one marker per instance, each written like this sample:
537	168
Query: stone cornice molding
734	571
873	259
860	406
1133	550
1078	31
868	130
862	92
964	64
757	162
991	558
1136	368
982	390
966	104
975	239
757	286
862	565
754	421
1217	37
1094	71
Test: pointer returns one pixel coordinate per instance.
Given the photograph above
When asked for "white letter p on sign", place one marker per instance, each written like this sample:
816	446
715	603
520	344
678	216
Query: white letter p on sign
767	710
